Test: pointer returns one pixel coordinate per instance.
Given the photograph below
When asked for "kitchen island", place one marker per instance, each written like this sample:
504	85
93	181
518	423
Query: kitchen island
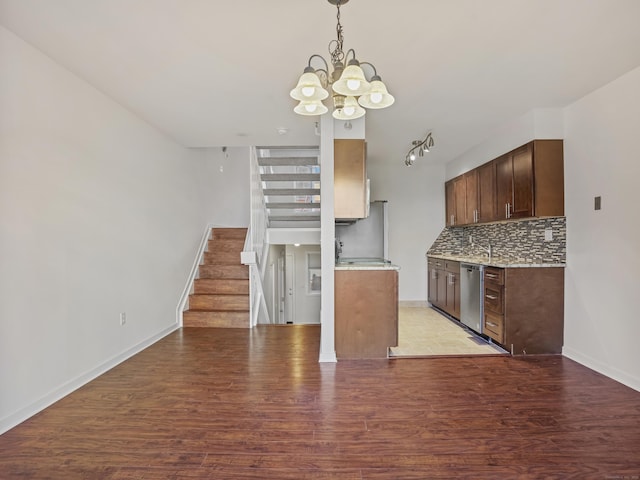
366	308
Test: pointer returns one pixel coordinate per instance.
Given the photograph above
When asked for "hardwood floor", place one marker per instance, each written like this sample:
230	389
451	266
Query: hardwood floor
256	404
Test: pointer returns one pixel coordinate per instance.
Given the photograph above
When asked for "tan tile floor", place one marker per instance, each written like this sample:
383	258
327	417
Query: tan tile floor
424	332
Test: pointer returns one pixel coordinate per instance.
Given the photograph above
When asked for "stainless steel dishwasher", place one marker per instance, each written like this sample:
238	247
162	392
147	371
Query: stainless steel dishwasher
471	304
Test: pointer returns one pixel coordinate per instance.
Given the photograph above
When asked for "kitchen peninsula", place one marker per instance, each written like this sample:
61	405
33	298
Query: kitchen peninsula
366	308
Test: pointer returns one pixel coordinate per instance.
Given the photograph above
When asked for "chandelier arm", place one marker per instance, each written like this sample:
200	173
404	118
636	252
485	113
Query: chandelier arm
346	57
315	55
375	72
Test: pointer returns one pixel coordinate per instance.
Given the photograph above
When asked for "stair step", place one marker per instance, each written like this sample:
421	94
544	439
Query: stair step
290	177
225	245
291	191
221	258
234	271
219	302
193	318
295	218
221	286
228	233
292	205
278	161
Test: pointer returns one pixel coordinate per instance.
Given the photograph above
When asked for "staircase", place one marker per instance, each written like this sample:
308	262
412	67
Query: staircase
291	186
220	295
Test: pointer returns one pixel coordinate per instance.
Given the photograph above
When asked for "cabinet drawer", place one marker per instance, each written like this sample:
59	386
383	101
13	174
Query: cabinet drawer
494	326
494	275
452	266
493	298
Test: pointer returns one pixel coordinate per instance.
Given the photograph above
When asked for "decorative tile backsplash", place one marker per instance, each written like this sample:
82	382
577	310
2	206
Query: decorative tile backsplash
516	241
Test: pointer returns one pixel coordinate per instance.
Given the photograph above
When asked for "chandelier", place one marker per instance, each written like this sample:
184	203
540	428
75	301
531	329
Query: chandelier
351	92
419	146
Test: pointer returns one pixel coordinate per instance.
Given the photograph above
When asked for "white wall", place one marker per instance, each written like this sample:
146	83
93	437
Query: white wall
416	218
99	214
602	324
541	123
228	173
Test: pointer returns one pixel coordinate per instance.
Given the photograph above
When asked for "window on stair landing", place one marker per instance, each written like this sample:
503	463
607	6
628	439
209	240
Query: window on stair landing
307	184
314	275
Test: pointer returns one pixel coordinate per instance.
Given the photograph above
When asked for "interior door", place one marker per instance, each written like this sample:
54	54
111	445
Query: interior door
289	290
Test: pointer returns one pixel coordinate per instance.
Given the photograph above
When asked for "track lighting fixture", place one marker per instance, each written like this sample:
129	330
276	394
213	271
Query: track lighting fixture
419	146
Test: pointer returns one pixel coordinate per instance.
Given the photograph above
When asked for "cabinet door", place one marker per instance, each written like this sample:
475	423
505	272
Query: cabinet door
471	190
522	160
350	179
460	200
441	278
450	201
433	284
504	185
487	192
452	306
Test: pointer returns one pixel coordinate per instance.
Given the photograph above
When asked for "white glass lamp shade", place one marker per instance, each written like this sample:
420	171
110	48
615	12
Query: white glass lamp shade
350	111
352	82
377	97
310	107
309	88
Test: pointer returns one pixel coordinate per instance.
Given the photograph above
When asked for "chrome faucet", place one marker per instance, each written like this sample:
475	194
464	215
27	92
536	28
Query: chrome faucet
488	249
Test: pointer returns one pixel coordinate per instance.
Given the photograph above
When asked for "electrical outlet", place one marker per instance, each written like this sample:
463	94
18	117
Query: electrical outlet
470	240
548	234
123	318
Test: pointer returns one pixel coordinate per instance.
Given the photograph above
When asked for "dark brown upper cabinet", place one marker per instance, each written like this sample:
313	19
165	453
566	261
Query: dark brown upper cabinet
526	182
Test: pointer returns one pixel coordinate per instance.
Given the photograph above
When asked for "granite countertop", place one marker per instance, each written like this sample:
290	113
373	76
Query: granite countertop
497	261
365	264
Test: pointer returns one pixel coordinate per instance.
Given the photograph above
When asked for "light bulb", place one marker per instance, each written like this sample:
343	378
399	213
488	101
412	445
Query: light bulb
425	148
376	97
412	156
353	84
308	91
311	107
349	110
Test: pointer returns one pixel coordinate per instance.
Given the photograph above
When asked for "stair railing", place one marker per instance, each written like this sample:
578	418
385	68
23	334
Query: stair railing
256	248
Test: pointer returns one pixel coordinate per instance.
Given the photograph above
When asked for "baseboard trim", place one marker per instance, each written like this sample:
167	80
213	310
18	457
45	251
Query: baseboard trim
10	421
184	298
613	373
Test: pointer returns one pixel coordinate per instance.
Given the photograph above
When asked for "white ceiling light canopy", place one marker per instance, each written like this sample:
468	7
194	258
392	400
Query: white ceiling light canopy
351	90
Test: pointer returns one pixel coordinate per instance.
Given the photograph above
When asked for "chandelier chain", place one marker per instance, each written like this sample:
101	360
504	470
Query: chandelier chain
337	54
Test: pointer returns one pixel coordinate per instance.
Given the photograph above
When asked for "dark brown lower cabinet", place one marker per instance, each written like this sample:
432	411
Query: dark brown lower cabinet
524	309
444	285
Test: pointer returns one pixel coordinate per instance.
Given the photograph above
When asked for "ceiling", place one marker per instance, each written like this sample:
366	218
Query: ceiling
213	73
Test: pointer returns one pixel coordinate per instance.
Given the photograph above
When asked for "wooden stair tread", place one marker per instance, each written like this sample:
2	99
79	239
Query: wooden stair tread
221	291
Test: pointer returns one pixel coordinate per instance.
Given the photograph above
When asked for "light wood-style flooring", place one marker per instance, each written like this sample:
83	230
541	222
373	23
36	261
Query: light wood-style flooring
423	331
256	404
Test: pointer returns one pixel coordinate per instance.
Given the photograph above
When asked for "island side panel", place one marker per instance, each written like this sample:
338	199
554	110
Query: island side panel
534	310
366	313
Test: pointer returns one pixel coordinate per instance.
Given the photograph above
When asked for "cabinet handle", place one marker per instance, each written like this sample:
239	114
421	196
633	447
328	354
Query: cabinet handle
451	279
491	297
508	210
491	275
475	216
491	324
